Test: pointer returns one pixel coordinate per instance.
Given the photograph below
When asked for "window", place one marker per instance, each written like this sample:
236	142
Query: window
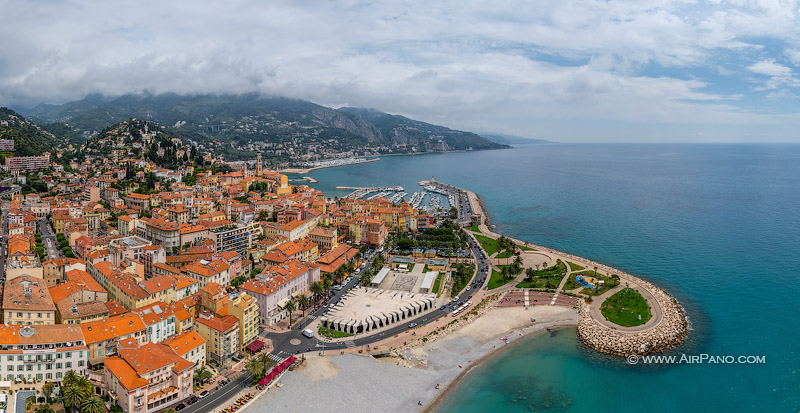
29	367
68	364
80	363
10	368
10	358
19	314
40	315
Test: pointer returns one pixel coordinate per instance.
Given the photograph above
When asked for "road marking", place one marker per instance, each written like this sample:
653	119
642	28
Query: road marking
349	344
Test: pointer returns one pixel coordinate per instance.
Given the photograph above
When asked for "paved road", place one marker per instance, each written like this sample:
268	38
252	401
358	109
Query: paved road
282	347
49	241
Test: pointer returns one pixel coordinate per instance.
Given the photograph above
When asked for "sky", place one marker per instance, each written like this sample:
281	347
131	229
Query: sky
569	71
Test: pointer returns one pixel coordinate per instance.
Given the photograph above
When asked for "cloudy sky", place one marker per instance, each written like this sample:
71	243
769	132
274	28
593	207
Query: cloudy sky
655	70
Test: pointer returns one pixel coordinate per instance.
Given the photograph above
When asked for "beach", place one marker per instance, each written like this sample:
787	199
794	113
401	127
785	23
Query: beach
363	384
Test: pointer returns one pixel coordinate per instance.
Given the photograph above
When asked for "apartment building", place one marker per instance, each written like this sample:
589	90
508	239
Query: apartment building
159	231
221	335
148	377
26	300
41	352
275	285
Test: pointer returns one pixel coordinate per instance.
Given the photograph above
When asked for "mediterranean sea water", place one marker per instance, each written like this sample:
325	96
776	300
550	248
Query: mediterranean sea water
716	225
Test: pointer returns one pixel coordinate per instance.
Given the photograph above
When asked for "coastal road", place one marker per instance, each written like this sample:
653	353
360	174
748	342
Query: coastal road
283	348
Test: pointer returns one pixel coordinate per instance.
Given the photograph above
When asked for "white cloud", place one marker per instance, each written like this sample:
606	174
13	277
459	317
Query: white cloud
507	66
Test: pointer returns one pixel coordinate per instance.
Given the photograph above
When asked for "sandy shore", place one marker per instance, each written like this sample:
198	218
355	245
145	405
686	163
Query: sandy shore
363	384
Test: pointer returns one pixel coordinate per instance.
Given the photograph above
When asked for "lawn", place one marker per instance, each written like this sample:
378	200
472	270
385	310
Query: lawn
332	333
625	307
437	282
559	268
410	267
473	228
574	267
540	282
524	248
496	280
488	244
504	254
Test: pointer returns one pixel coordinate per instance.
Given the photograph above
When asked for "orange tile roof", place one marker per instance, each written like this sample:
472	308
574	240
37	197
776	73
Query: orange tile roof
115	308
155	312
112	327
158	283
86	279
208	269
185	342
219	323
123	372
43	334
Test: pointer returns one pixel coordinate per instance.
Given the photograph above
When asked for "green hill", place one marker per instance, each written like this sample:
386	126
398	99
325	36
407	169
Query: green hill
29	139
218	120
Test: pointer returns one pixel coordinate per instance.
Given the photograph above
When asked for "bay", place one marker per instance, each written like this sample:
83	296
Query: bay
716	225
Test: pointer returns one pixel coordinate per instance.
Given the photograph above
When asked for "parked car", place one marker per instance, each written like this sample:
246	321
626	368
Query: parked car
443	307
203	394
412	325
180	407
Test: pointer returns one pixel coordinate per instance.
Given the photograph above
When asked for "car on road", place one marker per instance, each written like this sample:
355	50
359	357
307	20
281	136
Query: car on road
202	395
412	325
180	407
192	400
468	288
455	298
443	307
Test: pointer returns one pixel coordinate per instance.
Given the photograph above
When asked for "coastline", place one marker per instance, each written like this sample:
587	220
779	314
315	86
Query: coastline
449	388
308	170
417	368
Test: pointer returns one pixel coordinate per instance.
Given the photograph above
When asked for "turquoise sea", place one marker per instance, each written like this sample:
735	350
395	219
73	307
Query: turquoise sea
717	225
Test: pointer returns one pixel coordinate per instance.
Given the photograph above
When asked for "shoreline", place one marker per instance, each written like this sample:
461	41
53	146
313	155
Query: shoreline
450	387
302	171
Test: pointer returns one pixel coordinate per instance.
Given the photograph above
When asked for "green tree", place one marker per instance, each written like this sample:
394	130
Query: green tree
93	405
317	288
366	278
69	378
73	396
84	384
302	301
47	390
290	306
255	366
44	408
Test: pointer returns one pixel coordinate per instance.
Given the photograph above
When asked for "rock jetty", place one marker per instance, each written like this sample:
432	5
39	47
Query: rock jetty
667	334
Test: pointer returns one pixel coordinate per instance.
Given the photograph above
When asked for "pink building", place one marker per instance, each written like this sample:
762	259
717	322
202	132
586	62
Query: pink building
147	378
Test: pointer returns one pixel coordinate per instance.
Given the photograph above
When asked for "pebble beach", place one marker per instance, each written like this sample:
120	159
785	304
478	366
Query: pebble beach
364	384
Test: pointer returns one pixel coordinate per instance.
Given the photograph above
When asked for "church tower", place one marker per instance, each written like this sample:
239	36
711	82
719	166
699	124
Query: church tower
258	165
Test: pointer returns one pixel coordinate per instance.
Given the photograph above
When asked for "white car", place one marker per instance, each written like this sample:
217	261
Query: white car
455	299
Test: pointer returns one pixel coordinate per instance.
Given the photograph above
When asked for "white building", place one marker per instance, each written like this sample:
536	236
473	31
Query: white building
43	352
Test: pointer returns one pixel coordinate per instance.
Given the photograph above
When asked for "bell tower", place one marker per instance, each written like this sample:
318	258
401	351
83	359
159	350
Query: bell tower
258	165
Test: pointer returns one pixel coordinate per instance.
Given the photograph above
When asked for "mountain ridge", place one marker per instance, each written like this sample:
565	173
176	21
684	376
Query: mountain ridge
251	119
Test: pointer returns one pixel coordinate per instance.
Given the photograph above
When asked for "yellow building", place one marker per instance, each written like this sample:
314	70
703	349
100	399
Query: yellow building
26	300
245	308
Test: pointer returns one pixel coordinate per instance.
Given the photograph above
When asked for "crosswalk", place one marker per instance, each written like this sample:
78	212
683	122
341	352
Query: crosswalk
280	357
349	344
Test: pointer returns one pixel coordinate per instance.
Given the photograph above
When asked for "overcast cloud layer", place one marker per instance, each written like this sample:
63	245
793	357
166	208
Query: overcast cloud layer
655	70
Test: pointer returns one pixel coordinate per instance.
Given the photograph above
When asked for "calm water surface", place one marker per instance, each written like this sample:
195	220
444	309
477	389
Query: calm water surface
716	225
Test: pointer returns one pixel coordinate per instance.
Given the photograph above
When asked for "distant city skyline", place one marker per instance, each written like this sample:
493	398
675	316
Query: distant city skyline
587	71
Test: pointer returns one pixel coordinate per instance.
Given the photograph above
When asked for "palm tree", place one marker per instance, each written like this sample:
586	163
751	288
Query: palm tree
84	384
290	306
73	396
317	288
69	378
529	273
302	301
267	360
202	373
366	278
44	408
504	273
255	367
93	405
326	283
168	411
